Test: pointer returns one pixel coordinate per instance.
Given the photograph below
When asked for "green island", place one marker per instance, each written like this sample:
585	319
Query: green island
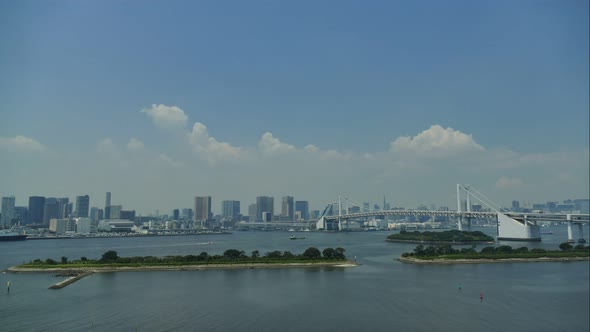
445	254
110	261
450	237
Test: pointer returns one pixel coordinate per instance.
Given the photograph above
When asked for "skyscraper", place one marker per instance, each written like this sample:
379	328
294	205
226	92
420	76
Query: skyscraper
36	207
303	208
252	212
202	208
50	210
264	204
62	209
82	206
7	211
107	206
287	207
230	209
175	214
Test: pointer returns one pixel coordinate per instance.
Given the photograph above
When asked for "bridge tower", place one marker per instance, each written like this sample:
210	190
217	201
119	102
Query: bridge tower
508	228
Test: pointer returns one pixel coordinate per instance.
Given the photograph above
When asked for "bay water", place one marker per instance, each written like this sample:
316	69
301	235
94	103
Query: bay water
379	295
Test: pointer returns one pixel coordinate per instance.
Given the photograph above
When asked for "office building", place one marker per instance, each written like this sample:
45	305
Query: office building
252	212
36	207
127	215
50	210
303	208
20	215
83	225
107	206
264	204
62	209
61	226
175	214
115	211
82	206
287	208
7	211
230	209
202	208
94	214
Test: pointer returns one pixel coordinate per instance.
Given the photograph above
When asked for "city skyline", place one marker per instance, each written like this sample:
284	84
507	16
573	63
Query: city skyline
394	99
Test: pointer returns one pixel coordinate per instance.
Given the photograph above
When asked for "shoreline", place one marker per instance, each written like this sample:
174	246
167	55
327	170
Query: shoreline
410	260
440	242
237	266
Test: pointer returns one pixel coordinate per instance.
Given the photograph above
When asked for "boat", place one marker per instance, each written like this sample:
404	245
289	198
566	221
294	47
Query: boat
11	236
293	237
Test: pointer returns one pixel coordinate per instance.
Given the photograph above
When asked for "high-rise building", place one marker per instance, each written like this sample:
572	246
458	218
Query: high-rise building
62	209
50	210
303	208
287	207
230	209
7	211
20	214
82	206
252	212
202	208
516	206
264	204
115	211
36	207
175	214
94	211
107	206
187	214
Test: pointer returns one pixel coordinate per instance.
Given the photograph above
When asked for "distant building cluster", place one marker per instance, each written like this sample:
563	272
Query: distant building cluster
58	216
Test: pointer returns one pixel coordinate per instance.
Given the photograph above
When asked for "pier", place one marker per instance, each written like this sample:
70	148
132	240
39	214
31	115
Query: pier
71	280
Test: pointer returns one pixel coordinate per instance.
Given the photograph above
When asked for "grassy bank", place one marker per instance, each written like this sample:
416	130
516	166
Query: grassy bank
110	259
447	253
452	236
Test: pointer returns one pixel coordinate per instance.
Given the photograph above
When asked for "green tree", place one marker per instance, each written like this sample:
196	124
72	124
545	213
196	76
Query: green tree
329	253
565	246
109	256
255	254
64	260
312	253
50	261
232	254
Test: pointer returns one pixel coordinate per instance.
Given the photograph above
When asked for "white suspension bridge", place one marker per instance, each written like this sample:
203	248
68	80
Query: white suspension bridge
511	226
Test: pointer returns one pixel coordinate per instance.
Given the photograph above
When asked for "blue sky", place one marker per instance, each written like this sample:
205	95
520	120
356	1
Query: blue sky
491	93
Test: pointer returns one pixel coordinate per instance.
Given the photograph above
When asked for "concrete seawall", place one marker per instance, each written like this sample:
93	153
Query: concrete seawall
71	280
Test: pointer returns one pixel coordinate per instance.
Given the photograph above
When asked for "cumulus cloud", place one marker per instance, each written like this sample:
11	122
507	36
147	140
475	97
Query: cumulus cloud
166	117
505	182
165	160
134	144
213	149
20	143
437	142
272	145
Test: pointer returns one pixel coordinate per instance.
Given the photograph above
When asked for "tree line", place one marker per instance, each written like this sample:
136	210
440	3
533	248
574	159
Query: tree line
565	249
228	257
445	236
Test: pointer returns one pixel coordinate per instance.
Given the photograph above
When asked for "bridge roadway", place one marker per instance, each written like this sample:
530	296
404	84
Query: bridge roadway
576	218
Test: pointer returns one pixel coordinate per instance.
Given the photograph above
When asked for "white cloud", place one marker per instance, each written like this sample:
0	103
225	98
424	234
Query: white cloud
134	144
505	182
167	117
165	160
272	145
20	143
436	142
213	150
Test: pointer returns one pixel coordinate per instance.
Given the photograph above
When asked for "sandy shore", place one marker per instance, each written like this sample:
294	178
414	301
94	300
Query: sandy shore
186	267
412	260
